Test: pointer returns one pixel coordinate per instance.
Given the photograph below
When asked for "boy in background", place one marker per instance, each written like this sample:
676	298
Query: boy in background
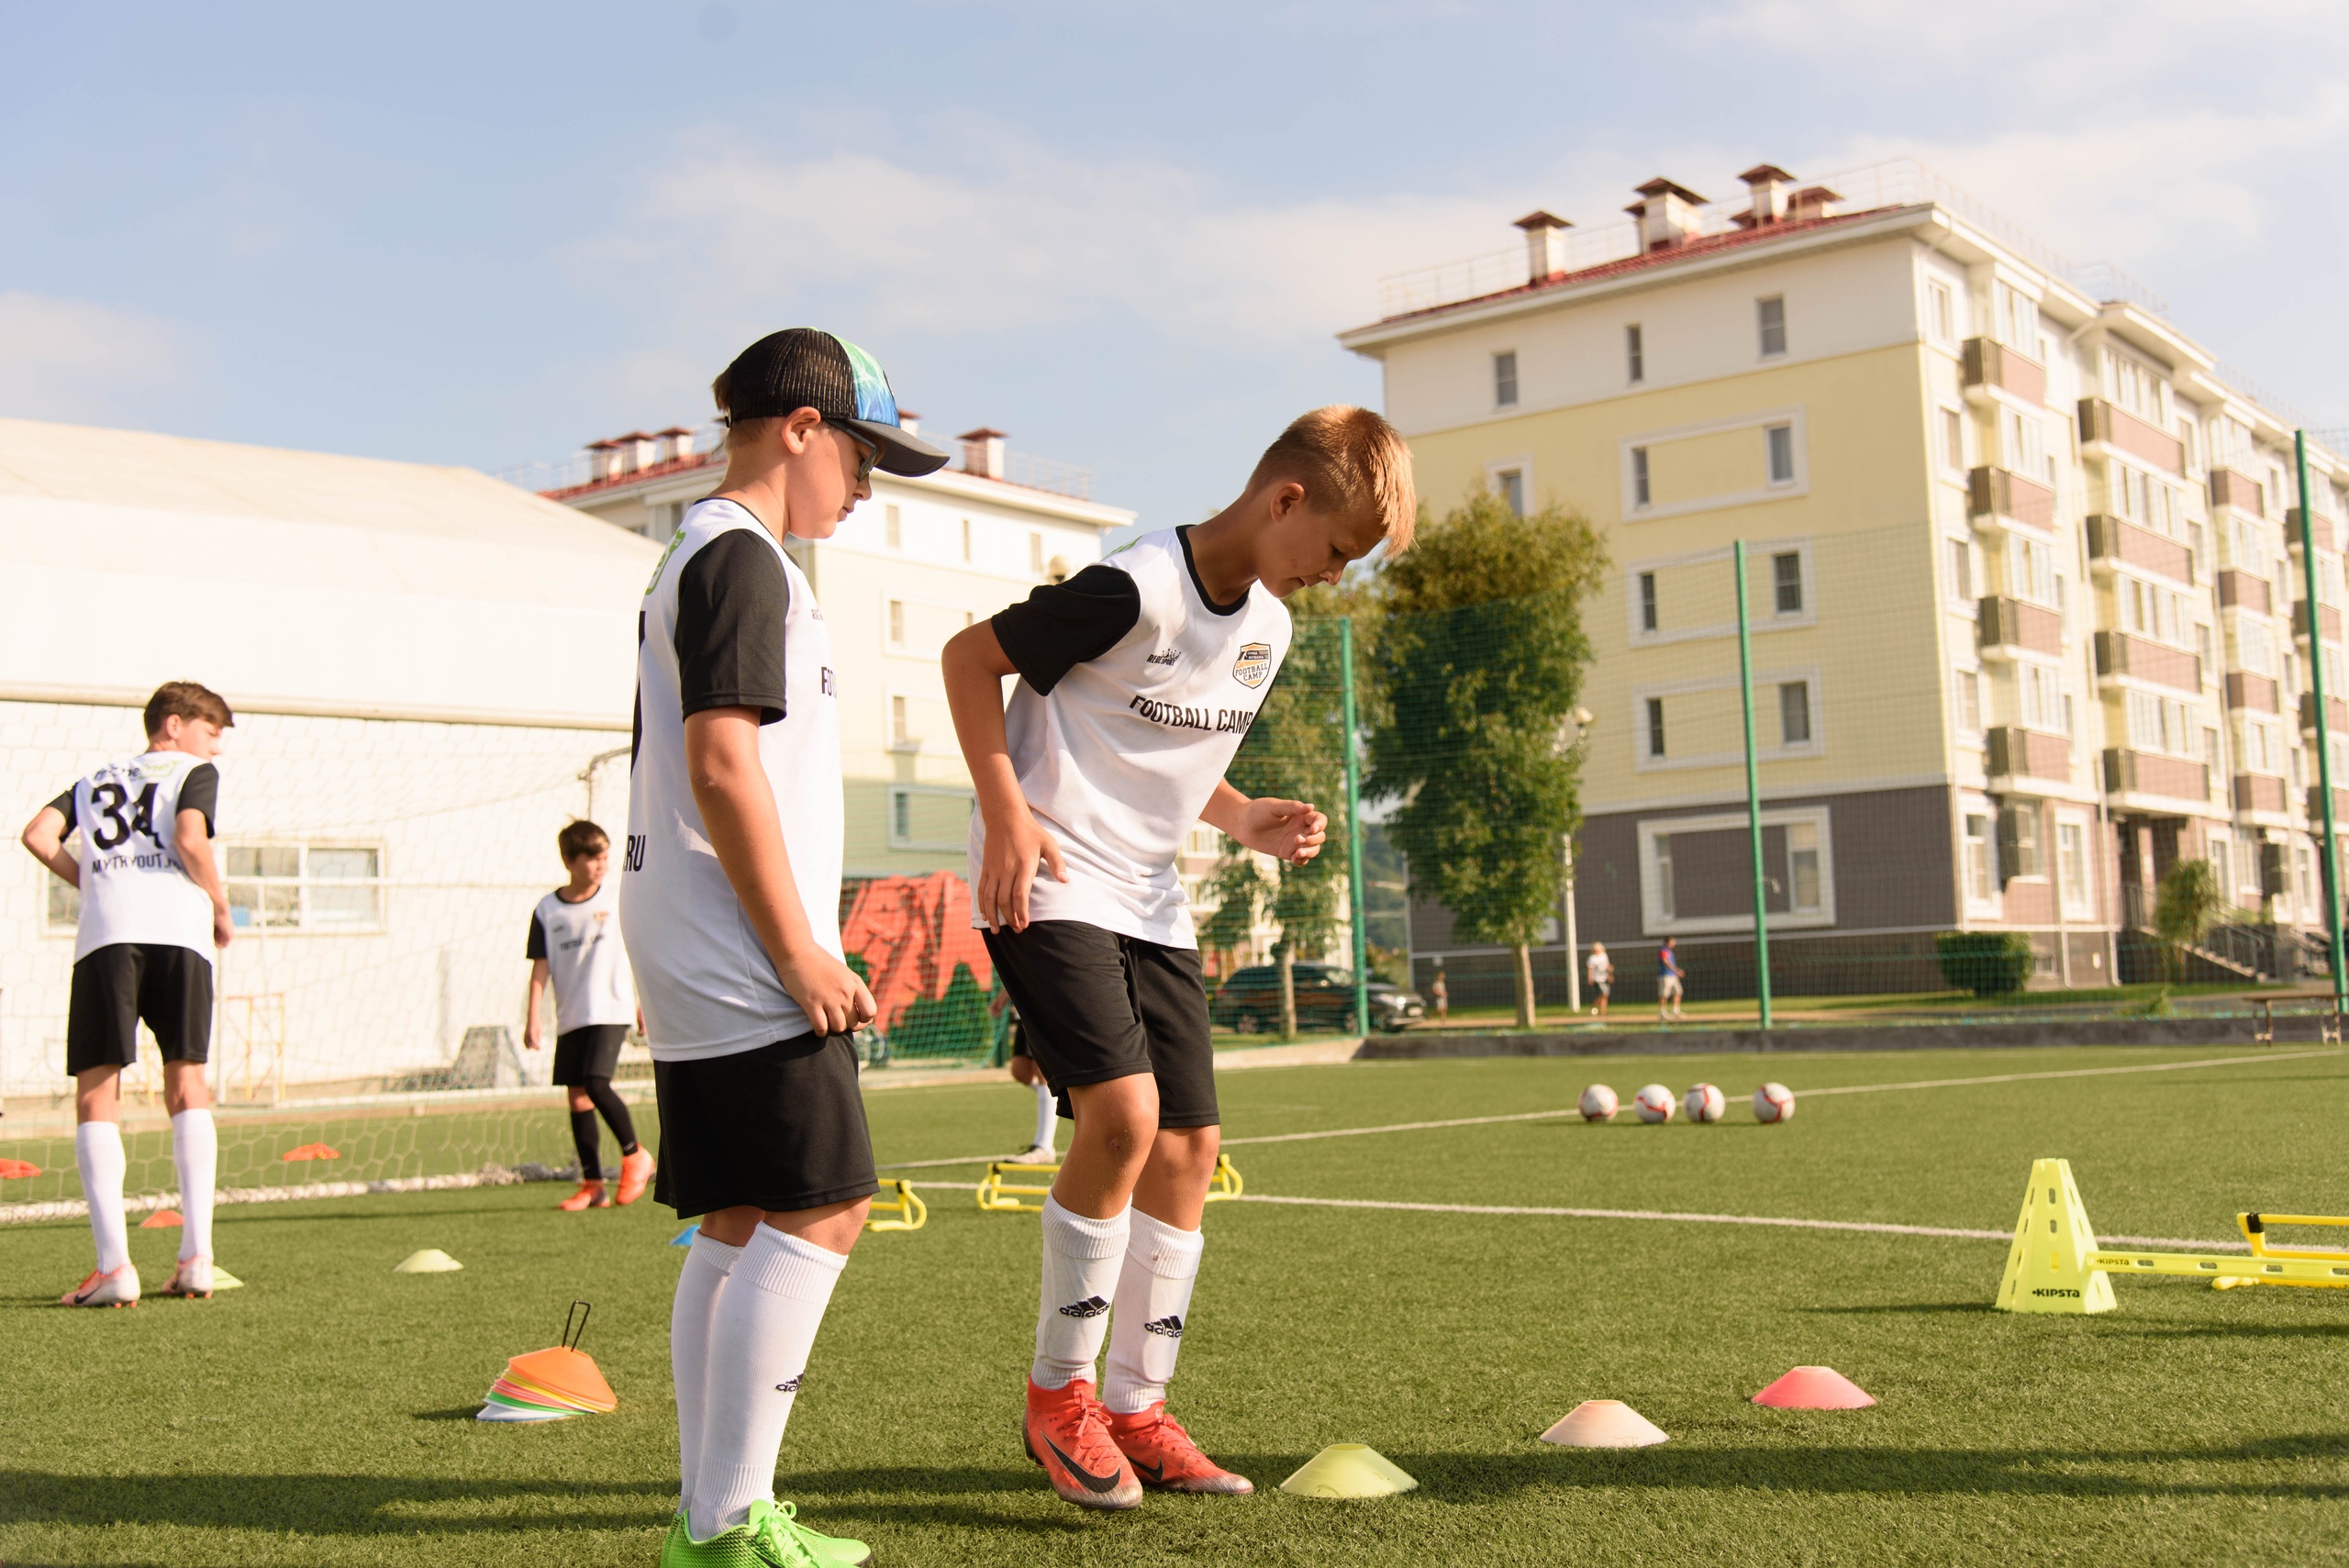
1138	678
1670	981
1601	973
574	945
1024	1069
152	911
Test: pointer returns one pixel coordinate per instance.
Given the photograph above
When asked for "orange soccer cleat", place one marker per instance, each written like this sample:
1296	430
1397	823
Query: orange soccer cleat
636	1173
1164	1455
1066	1432
591	1194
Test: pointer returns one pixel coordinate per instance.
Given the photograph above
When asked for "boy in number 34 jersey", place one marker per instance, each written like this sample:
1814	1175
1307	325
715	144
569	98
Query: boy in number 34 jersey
1139	677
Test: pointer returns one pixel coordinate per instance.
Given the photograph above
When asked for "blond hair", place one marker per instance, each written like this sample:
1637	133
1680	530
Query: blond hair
1351	463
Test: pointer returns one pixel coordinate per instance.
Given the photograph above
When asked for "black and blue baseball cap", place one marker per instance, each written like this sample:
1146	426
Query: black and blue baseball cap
803	367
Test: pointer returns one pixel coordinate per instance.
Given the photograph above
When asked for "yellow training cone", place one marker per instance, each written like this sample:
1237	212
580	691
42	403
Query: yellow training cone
1605	1423
1348	1470
431	1261
2047	1267
223	1280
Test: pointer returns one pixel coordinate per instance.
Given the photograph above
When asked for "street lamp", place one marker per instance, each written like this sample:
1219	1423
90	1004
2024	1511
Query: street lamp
1581	722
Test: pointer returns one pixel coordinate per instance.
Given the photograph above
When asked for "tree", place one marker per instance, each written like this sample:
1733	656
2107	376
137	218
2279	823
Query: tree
1480	656
2185	904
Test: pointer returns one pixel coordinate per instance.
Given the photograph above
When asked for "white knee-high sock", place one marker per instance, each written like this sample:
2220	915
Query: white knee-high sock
97	1152
764	1327
708	1262
1081	1260
195	1149
1152	1306
1047	1115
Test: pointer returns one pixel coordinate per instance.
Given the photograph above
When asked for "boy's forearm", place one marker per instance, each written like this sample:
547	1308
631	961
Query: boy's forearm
44	839
196	854
974	699
1223	809
738	811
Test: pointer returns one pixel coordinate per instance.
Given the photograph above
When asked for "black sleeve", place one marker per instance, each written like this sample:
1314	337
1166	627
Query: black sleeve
64	805
1061	626
537	948
202	792
731	600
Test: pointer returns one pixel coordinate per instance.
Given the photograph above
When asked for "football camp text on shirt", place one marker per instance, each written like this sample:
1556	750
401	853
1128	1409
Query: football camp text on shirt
1135	691
585	961
134	888
728	621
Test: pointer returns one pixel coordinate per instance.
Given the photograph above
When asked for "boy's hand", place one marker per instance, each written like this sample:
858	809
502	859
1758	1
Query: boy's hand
533	1033
1009	869
224	926
827	991
1287	831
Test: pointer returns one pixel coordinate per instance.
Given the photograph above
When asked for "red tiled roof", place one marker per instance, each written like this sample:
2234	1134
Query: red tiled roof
657	471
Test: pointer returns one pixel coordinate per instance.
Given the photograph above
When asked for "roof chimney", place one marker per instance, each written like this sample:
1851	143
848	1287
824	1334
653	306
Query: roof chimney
1768	183
603	461
908	421
1546	245
1812	201
983	452
1667	214
675	444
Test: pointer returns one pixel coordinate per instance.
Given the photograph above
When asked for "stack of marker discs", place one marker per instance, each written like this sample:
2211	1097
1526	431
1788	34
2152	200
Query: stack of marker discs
550	1385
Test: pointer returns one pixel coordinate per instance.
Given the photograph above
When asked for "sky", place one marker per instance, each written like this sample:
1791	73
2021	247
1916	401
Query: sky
486	234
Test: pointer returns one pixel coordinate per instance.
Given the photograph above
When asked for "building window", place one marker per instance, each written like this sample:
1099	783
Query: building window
966	539
1793	712
901	815
2042	697
1785	581
1977	859
65	905
2018	830
1505	379
893	526
1802	866
1647	601
1782	453
1961	570
1656	727
1969	702
898	730
1635	356
2072	866
1943	313
1771	315
308	888
1663	873
1953	439
1509	485
896	623
1639	476
2220	867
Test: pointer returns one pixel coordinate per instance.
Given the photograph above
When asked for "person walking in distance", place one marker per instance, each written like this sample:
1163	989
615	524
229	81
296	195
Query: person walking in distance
1601	973
1669	979
1441	994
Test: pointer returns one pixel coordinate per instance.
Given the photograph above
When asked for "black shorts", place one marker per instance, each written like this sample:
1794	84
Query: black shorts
1019	1041
592	1050
117	985
1095	1006
781	1128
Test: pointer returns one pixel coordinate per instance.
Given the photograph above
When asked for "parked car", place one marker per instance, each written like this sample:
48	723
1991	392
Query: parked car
1250	1001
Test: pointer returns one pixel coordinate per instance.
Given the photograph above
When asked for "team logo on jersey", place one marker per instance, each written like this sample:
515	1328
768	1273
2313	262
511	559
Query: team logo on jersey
1256	662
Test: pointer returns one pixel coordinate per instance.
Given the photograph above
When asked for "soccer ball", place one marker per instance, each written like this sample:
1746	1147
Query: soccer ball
1598	1103
1772	1102
1705	1104
1655	1104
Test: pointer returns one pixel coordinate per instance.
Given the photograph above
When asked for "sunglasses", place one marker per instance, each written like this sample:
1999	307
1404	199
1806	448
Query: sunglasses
872	453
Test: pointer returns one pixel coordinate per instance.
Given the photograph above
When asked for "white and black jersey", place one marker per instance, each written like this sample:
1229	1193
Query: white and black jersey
585	960
1135	690
728	621
134	888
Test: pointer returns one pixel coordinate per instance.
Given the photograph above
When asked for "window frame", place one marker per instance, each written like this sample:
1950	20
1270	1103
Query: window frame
1635	354
1764	326
1506	386
303	883
1657	916
899	807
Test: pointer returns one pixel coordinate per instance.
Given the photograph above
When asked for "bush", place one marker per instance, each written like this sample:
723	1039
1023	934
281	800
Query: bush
1989	963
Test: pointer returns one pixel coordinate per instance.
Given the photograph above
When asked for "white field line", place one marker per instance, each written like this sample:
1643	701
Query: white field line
75	1208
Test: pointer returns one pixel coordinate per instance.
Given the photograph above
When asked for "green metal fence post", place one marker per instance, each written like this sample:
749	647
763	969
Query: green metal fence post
1354	826
2331	851
1753	792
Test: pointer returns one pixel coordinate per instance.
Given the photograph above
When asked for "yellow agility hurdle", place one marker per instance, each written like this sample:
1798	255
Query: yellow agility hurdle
897	1206
1009	1184
2055	1265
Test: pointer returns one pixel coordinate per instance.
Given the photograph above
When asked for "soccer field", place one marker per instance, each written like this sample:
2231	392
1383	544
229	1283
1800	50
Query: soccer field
324	1414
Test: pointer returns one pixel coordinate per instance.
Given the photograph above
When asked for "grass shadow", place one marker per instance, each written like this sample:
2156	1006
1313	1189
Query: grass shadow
319	1504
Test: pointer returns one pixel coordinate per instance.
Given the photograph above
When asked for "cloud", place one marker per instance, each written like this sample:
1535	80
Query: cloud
70	360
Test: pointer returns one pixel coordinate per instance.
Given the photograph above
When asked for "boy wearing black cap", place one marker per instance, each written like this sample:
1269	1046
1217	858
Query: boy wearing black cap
729	906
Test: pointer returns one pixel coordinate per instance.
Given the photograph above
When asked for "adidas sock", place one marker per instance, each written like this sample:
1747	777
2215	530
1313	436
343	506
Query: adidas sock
97	1153
196	1151
1154	1302
588	1139
708	1262
1080	1273
1047	1116
759	1337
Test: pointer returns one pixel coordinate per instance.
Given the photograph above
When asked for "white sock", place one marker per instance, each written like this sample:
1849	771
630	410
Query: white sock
1081	1259
1047	1115
97	1152
1152	1306
760	1336
195	1149
708	1262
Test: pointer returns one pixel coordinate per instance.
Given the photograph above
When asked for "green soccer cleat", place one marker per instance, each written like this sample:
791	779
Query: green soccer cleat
772	1538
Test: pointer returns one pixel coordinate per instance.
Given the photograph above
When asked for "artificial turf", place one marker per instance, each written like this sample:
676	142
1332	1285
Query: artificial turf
323	1415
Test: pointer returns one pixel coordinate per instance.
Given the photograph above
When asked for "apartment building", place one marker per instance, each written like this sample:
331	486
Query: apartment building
918	560
2024	572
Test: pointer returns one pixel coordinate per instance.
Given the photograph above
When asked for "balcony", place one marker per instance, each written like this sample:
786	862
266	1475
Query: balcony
2316	808
2142	773
2330	621
2325	538
2229	488
2249	692
2102	424
2337	715
2242	591
2120	656
1990	363
2027	753
2114	541
2009	627
1995	492
2260	792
